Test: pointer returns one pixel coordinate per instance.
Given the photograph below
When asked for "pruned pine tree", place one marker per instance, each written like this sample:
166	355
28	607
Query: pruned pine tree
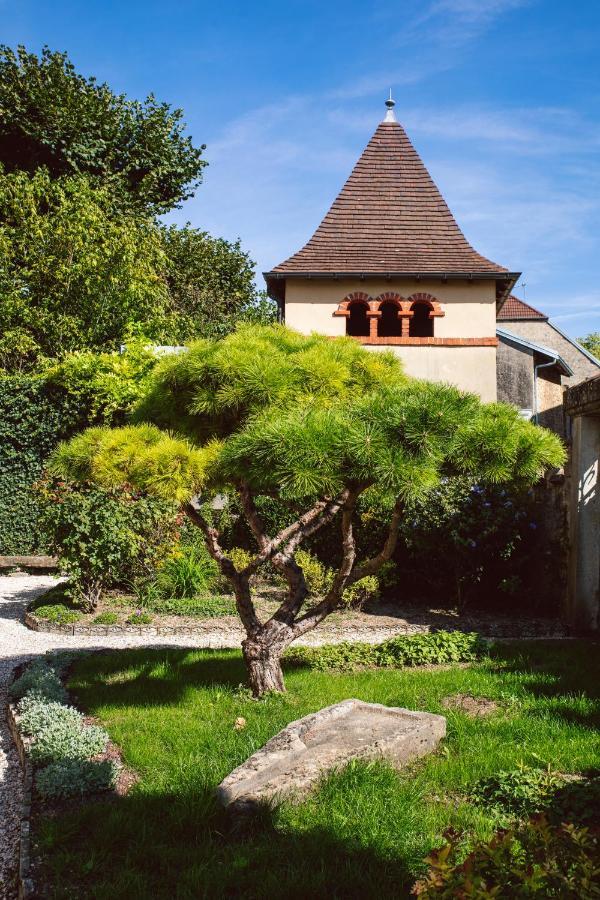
315	422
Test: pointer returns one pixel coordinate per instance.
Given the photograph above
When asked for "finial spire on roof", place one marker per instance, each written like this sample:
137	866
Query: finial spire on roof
390	103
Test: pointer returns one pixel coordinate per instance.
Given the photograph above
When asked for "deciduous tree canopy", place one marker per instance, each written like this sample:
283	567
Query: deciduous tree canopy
52	116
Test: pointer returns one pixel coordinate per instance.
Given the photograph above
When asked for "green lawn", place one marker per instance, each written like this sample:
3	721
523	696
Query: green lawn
364	833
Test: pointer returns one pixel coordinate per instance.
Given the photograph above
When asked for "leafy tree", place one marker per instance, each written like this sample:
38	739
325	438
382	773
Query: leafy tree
52	117
591	342
211	283
311	420
76	270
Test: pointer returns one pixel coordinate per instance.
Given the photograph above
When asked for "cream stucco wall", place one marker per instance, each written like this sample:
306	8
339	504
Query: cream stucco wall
469	368
469	312
469	307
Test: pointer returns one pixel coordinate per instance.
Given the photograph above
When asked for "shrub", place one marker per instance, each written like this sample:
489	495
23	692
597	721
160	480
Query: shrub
188	571
40	679
106	618
37	412
409	650
361	591
73	777
520	793
32	422
57	613
472	543
139	617
436	648
104	537
68	740
37	713
239	557
534	860
319	579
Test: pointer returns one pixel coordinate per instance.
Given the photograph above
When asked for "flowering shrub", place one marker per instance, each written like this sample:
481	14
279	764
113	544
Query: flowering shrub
469	542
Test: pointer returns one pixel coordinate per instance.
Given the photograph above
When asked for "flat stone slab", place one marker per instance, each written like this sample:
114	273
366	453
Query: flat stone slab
293	761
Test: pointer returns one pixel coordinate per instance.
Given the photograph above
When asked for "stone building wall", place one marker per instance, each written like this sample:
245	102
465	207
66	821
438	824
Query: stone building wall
545	334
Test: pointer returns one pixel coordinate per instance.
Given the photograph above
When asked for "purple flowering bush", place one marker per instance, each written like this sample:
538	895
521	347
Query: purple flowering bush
471	545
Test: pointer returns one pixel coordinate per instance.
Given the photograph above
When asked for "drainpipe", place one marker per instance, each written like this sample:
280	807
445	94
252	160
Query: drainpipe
535	393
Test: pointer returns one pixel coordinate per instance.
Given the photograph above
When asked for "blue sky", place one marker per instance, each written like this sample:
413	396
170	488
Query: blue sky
500	97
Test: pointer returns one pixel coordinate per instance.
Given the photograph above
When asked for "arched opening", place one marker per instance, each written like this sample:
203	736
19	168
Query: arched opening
389	325
420	323
357	323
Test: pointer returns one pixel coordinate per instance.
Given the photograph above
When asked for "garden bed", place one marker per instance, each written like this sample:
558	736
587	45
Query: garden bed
215	615
176	715
51	787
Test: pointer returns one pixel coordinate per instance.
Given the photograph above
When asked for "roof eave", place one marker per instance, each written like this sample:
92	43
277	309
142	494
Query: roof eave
509	279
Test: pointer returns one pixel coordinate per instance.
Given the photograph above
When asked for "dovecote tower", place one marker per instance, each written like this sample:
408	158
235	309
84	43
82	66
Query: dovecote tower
390	267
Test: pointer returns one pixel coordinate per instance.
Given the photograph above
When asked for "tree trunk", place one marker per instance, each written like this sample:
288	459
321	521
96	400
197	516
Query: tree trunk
264	665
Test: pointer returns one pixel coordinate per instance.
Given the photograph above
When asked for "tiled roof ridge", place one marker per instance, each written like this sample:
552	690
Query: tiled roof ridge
515	308
388	217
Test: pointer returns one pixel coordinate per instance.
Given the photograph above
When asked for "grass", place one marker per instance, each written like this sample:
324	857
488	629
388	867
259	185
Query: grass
367	829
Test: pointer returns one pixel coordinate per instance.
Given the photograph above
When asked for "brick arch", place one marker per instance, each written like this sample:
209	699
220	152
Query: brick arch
435	308
390	297
355	297
402	310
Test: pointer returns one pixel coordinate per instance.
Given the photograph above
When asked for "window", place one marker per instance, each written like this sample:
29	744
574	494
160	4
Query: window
421	325
389	325
357	323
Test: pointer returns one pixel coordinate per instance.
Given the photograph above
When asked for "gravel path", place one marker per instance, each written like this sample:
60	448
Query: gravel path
18	643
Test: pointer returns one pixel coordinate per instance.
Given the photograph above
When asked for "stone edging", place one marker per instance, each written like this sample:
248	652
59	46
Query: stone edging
26	887
37	624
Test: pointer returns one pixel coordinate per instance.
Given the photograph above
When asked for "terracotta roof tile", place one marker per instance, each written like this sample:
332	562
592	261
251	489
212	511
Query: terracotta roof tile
388	217
517	309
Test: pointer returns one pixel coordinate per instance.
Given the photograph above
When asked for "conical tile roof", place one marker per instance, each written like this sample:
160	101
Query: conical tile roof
388	218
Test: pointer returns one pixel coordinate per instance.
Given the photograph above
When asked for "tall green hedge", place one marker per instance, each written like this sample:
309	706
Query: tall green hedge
39	411
33	419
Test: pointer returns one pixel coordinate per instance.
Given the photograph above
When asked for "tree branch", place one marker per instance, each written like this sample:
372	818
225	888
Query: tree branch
331	601
370	566
239	581
310	522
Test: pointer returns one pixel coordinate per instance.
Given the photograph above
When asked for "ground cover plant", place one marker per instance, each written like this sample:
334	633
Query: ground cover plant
365	832
63	747
317	423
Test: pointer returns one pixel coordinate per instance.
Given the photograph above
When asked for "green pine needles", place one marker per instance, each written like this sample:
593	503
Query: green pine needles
314	422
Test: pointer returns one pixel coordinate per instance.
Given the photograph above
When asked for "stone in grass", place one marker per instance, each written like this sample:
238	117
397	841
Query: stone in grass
293	761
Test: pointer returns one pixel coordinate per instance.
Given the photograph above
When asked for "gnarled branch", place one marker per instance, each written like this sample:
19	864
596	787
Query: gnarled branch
239	581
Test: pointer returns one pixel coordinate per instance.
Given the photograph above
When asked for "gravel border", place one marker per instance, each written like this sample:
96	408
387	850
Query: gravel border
25	885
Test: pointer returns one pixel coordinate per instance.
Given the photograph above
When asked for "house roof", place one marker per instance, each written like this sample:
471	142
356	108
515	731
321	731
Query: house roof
517	309
389	219
546	352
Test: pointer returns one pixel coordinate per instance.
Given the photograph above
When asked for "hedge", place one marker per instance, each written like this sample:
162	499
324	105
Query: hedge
39	411
33	419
